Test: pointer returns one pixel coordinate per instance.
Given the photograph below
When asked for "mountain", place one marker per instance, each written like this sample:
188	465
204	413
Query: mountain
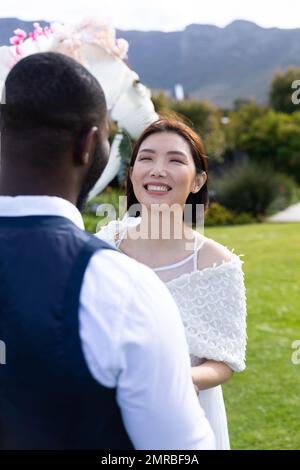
218	64
212	63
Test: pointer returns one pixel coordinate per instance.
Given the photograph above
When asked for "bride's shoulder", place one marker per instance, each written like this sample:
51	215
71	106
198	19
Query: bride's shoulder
212	253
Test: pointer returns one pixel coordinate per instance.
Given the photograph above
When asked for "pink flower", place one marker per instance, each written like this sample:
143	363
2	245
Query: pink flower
47	31
38	29
19	37
33	36
20	33
17	40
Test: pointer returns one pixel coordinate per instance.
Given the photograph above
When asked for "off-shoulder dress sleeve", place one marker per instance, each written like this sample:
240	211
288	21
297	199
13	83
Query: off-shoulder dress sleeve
212	303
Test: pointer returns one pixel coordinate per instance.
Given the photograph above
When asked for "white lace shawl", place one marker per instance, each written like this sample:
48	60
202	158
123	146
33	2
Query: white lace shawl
212	303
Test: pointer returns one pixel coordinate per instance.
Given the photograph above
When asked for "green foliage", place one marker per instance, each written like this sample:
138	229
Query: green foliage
281	91
108	196
219	215
162	103
267	137
240	120
243	218
90	222
288	193
92	218
202	116
125	149
252	188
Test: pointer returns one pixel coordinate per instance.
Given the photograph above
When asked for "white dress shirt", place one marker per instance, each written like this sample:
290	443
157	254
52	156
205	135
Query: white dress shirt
132	339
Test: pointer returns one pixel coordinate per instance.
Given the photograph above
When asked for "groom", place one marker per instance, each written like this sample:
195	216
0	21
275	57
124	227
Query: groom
95	351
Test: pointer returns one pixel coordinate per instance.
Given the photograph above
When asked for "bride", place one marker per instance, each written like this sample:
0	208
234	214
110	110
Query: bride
168	168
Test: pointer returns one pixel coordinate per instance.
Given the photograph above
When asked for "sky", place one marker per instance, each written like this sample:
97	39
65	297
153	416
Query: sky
163	15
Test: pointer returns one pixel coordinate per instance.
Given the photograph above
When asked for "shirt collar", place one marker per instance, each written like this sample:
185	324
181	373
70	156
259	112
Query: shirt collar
19	206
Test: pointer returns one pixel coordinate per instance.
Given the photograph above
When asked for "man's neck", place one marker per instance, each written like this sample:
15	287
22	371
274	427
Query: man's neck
24	188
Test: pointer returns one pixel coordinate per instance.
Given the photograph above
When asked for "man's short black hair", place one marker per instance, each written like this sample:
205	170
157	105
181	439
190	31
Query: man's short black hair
51	101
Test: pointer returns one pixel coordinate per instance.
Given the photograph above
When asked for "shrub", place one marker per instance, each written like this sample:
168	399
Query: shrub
288	193
252	188
218	215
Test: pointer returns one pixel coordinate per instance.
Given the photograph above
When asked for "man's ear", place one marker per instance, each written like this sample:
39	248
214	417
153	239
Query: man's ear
200	180
87	148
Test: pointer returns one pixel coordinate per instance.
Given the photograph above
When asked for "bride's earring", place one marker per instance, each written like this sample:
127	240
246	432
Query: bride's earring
197	188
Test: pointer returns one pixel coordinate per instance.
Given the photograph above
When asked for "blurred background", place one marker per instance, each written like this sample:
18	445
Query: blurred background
227	69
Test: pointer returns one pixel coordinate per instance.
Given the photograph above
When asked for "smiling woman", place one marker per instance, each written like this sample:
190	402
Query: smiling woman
168	168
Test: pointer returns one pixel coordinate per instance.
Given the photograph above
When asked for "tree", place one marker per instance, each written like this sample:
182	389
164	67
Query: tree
240	121
273	138
281	91
202	116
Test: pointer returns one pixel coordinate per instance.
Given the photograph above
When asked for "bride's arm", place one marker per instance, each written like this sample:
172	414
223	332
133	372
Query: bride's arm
210	374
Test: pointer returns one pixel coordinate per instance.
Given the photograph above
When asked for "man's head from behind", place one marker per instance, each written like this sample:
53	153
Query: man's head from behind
53	129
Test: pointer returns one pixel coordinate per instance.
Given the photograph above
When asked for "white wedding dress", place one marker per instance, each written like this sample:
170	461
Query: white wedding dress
212	304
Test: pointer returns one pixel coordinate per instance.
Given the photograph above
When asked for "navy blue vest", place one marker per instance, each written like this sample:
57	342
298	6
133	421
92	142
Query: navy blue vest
48	398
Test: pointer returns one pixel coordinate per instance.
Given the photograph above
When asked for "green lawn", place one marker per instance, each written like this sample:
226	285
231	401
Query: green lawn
263	402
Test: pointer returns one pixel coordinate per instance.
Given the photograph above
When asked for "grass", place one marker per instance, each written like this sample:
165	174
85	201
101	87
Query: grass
263	402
